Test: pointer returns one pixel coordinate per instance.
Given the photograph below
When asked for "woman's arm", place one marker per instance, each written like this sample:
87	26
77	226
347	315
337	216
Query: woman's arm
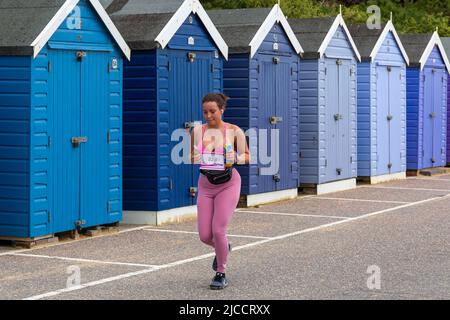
241	147
195	155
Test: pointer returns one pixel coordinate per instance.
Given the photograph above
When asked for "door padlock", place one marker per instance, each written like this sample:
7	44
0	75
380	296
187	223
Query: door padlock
276	177
432	115
338	171
390	117
76	141
338	117
389	165
81	55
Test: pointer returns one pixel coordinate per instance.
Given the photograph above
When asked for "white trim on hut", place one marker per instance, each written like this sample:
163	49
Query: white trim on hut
64	12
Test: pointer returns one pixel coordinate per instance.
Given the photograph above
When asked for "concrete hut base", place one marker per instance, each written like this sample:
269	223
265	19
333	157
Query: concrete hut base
383	178
329	187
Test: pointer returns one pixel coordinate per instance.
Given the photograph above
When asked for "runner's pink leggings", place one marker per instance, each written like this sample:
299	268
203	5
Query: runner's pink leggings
215	206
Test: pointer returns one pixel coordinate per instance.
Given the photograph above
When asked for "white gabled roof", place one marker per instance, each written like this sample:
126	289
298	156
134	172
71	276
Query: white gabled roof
276	15
389	28
434	41
64	12
338	22
183	12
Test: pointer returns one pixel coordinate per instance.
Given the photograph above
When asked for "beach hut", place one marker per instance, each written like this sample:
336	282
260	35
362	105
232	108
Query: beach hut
261	79
426	102
381	103
446	43
327	104
60	118
176	60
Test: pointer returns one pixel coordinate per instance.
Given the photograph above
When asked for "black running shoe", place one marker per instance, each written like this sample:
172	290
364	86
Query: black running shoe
219	282
214	265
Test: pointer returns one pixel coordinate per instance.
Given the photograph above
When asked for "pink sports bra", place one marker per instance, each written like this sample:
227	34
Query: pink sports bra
214	160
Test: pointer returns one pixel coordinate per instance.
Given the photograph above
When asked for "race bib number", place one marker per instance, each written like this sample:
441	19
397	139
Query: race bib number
213	159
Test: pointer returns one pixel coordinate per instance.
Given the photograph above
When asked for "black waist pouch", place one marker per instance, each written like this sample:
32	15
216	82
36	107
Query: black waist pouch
218	177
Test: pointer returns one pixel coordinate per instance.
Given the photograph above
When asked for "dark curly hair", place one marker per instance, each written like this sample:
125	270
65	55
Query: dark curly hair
218	98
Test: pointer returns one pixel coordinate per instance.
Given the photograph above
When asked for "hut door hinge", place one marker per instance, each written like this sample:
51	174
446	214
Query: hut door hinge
170	184
258	69
108	206
49	216
292	71
49	143
49	66
109	136
351	159
326	163
169	66
109	68
351	72
213	67
325	71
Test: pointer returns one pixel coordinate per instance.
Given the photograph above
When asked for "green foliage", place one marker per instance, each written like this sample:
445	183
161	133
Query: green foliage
409	16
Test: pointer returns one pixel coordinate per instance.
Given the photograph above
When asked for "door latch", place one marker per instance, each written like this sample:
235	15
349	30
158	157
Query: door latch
390	117
192	56
76	141
275	120
338	171
433	160
276	60
276	177
432	115
81	55
338	117
389	165
79	223
193	191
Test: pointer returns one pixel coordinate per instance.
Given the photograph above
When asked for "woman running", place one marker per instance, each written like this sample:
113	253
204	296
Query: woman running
217	146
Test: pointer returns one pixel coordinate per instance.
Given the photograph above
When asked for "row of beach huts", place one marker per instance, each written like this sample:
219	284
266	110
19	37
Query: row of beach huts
92	90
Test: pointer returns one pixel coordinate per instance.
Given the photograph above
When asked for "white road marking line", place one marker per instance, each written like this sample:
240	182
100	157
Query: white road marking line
180	262
430	179
362	200
294	214
404	188
205	256
72	241
196	233
83	260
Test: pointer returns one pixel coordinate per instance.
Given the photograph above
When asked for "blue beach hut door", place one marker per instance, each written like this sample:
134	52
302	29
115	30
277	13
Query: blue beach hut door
337	161
432	118
78	116
189	80
388	119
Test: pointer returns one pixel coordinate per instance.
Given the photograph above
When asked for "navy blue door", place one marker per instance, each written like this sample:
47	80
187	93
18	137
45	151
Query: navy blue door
283	98
189	81
428	120
266	110
438	146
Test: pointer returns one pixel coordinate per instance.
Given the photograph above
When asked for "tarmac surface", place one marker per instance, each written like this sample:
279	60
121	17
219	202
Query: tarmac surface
384	241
